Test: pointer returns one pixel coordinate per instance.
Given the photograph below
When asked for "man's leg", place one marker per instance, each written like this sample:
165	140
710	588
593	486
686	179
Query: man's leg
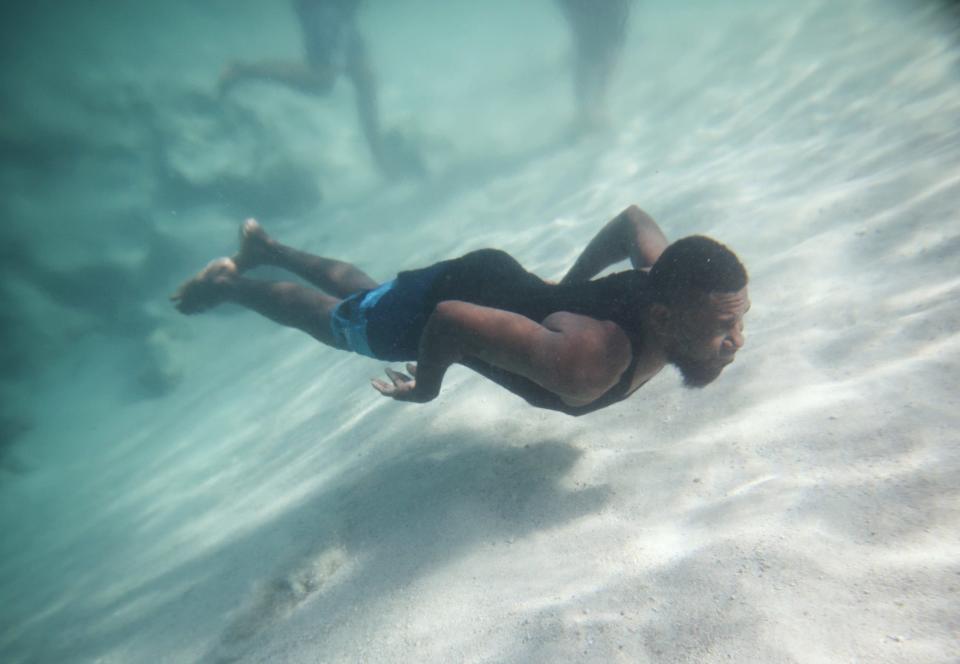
395	156
288	304
599	32
337	278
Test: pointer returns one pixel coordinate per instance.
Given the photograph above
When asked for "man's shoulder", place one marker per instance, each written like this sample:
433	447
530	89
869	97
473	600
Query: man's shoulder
592	339
596	353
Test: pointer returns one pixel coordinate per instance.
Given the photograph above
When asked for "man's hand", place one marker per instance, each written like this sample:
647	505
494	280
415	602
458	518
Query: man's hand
403	387
631	234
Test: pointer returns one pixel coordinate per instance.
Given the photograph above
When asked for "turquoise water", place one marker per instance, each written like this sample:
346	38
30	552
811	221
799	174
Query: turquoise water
216	488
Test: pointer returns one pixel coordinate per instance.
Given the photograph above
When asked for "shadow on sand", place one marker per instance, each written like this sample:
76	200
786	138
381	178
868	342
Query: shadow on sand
368	536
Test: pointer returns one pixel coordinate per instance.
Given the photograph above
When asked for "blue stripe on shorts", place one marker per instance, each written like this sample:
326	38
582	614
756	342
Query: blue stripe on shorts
348	321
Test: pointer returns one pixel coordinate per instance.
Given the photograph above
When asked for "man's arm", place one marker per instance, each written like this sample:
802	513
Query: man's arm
575	357
631	234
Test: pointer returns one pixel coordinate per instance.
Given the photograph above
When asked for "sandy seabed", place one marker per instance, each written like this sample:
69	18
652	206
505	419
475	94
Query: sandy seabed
805	508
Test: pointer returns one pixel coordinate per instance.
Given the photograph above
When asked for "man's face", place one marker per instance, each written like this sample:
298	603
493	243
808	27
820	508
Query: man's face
705	335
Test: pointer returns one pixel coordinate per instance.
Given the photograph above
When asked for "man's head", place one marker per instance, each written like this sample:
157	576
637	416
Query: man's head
699	292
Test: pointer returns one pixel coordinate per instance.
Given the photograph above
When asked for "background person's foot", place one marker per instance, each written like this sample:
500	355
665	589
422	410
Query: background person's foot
207	289
255	246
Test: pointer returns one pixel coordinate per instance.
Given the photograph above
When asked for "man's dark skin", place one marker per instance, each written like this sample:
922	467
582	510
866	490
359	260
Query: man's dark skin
575	357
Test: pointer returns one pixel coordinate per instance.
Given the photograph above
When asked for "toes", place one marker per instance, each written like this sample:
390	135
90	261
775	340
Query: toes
206	289
253	246
249	227
218	267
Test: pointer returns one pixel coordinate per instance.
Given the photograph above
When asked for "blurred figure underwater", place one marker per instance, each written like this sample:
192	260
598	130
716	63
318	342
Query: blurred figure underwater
333	46
599	29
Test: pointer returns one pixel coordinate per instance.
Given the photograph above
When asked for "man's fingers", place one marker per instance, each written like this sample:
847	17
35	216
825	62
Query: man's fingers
382	388
397	377
403	385
412	368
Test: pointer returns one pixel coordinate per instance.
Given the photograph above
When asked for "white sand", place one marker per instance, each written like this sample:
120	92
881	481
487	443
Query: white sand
805	508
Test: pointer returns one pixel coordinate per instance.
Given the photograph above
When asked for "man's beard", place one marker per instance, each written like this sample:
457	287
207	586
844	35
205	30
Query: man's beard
696	373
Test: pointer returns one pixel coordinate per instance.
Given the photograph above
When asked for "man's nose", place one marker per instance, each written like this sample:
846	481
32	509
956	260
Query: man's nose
736	339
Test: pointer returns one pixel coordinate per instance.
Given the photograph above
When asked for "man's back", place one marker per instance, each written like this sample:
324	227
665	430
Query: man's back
494	279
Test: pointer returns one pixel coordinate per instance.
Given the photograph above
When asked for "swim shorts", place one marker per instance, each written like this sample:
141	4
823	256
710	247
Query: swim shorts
386	322
350	318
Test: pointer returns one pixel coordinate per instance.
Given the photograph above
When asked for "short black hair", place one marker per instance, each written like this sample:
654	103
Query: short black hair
695	263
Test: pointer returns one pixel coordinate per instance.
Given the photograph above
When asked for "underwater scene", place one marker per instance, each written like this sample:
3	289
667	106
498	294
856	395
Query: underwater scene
391	331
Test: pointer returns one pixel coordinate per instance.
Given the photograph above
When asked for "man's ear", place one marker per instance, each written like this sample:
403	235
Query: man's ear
660	316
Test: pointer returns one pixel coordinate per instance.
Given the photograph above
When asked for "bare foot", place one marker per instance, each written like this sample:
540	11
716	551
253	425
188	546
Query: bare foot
207	289
255	246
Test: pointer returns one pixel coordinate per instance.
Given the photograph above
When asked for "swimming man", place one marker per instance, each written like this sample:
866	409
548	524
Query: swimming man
574	347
